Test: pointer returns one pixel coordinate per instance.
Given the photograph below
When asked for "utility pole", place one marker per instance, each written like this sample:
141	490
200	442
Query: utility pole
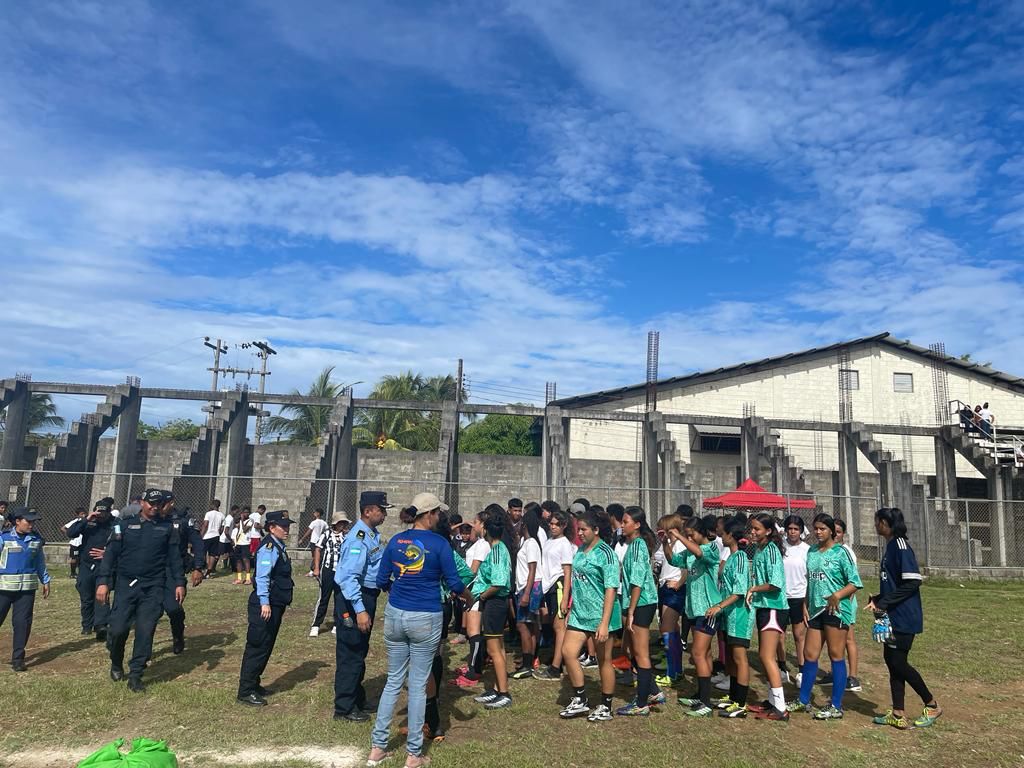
218	349
458	386
264	351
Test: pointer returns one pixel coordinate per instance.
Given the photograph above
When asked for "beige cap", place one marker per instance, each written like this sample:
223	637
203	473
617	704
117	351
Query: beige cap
338	517
427	502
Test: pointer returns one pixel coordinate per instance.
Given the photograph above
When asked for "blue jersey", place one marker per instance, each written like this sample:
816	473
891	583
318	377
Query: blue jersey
22	564
414	564
899	565
358	562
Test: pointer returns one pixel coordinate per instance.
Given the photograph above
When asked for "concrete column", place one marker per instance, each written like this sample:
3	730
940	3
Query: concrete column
343	464
124	447
556	445
945	470
13	449
750	456
849	478
234	446
649	468
448	453
1001	524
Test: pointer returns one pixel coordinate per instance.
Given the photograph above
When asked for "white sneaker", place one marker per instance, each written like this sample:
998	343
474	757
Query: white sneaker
718	678
724	685
575	708
799	679
600	713
785	676
334	630
314	631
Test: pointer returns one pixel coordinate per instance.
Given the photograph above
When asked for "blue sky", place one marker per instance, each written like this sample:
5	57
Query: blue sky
530	186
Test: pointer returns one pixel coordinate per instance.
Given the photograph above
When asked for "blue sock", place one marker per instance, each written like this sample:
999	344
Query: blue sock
809	676
673	653
838	683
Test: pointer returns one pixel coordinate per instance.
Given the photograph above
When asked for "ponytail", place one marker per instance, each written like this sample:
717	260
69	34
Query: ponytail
774	536
893	517
638	516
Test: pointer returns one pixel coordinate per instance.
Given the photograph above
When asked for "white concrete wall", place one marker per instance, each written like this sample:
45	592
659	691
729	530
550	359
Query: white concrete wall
810	390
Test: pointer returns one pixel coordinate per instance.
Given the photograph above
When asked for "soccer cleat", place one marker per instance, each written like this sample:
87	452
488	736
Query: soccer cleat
576	707
589	663
689	701
798	706
853	684
774	714
900	723
928	717
829	713
664	681
702	711
760	708
633	710
656	699
486	697
826	680
465	682
547	673
733	711
722	702
314	631
500	701
522	673
601	713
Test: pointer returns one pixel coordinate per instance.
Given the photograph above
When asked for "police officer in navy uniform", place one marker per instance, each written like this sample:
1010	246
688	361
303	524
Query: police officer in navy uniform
95	529
141	561
188	535
271	594
356	576
22	571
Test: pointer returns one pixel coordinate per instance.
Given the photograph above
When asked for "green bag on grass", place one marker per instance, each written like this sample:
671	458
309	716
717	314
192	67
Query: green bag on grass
145	753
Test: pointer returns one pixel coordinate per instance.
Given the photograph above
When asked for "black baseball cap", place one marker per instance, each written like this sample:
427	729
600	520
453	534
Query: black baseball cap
168	496
153	496
24	513
103	505
374	499
279	517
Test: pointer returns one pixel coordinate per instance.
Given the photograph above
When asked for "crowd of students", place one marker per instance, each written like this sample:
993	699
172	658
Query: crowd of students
582	581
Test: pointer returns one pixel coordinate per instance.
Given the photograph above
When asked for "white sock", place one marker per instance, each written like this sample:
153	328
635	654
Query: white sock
777	699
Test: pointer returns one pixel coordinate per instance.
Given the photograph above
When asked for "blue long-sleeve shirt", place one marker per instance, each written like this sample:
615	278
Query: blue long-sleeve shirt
414	563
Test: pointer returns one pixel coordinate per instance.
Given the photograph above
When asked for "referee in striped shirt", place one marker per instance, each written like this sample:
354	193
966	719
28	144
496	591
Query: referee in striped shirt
325	558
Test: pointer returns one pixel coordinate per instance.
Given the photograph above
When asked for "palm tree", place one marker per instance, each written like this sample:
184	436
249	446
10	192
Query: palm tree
308	422
413	430
42	413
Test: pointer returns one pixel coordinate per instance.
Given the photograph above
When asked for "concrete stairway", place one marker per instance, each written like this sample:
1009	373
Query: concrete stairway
8	390
673	468
979	456
202	457
789	476
75	450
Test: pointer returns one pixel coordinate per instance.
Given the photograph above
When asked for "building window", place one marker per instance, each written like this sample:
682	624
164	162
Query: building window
720	443
903	382
849	379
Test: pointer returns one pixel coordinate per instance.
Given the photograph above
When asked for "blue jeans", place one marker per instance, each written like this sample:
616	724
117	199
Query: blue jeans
411	639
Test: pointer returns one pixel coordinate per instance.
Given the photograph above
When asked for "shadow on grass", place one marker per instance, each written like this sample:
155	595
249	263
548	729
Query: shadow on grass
199	650
56	651
304	673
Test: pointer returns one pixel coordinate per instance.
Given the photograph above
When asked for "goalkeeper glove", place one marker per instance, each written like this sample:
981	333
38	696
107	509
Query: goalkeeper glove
882	631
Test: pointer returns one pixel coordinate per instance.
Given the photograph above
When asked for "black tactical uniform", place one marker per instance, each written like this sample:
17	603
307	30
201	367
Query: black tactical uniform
95	534
272	588
140	562
188	534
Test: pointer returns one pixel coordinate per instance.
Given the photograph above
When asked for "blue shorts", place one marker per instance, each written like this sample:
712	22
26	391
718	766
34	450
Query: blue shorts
705	625
529	614
673	598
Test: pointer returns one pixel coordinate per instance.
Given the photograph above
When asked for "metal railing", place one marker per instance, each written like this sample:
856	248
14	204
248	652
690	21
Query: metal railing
971	534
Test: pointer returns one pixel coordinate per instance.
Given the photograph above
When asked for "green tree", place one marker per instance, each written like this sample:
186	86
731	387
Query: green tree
175	429
42	414
501	434
306	424
412	429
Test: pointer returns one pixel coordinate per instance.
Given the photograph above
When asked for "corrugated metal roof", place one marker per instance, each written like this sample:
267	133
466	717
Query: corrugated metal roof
609	395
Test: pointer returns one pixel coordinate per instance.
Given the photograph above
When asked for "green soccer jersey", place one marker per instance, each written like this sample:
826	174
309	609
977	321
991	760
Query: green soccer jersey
702	580
495	571
465	573
768	569
736	581
637	572
828	571
593	572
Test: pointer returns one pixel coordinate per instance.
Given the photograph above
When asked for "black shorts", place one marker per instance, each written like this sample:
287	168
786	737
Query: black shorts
212	547
242	551
494	615
643	615
73	552
826	619
740	641
796	610
704	625
901	641
772	620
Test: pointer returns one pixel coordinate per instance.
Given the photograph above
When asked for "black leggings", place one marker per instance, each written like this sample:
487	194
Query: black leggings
901	673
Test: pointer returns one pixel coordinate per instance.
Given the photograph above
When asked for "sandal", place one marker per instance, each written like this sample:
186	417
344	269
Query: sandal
370	763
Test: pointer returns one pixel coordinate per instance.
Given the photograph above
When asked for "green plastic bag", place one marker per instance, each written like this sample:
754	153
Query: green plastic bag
145	753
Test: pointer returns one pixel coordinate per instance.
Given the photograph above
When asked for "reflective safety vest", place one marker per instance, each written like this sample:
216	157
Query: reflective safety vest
22	564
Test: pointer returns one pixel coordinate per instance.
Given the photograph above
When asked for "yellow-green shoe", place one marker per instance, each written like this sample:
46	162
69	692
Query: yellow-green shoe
889	718
928	717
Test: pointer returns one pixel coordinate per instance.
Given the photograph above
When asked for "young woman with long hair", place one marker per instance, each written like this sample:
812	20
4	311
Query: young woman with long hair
852	652
767	597
469	676
625	674
640	597
557	584
734	617
491	589
899	618
795	565
672	599
595	613
832	581
529	592
701	562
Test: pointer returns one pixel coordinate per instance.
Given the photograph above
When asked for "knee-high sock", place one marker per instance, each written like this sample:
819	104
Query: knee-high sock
432	716
839	677
809	675
476	654
673	653
644	680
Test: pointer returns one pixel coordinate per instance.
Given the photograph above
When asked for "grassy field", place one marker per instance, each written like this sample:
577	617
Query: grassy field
65	706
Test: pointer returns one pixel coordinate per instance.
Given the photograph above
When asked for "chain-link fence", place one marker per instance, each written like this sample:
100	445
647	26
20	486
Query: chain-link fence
947	533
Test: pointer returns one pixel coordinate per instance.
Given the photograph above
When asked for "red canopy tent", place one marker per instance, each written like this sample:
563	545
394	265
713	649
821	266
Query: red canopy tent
750	495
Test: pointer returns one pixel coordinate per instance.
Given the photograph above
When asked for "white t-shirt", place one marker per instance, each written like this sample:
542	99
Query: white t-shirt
214	519
77	541
557	552
529	552
229	524
317	530
795	566
986	414
669	572
478	551
255	518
